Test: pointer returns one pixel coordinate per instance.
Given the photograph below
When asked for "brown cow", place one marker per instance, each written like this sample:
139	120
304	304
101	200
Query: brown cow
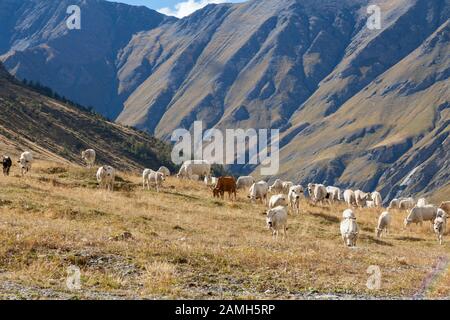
225	184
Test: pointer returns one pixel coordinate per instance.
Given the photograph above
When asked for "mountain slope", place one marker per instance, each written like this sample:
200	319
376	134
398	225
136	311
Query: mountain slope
247	65
36	44
354	105
392	135
56	131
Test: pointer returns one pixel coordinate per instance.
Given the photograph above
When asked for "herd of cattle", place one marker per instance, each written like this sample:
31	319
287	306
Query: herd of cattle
284	196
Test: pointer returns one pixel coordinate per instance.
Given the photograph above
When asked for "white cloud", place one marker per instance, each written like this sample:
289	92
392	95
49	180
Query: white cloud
185	8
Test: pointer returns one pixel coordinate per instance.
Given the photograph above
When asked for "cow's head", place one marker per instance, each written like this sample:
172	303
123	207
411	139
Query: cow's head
269	218
23	162
407	222
311	187
378	232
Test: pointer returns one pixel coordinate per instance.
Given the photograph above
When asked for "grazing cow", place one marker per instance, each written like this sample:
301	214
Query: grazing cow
318	192
259	190
376	198
349	198
276	220
384	221
152	177
88	156
349	228
406	204
245	182
225	184
276	187
7	164
210	182
445	206
334	193
294	198
277	200
361	198
165	171
420	214
287	186
106	176
194	167
25	162
439	228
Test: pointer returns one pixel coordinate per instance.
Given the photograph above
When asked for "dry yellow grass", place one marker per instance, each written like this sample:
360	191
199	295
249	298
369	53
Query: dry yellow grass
182	243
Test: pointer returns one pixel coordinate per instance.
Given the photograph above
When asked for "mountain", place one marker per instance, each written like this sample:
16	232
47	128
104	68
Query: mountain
59	131
356	107
82	65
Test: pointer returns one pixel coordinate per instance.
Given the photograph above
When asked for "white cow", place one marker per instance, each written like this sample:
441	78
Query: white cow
152	177
384	221
334	193
349	228
194	167
420	214
25	162
361	197
244	182
294	198
277	200
165	171
287	186
349	198
88	156
276	187
376	198
106	176
318	192
259	190
439	228
276	220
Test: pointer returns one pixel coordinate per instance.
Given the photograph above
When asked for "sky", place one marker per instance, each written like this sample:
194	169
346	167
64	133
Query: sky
177	8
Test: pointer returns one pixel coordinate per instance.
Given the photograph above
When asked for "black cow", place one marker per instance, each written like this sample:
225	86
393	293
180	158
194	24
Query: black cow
7	164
